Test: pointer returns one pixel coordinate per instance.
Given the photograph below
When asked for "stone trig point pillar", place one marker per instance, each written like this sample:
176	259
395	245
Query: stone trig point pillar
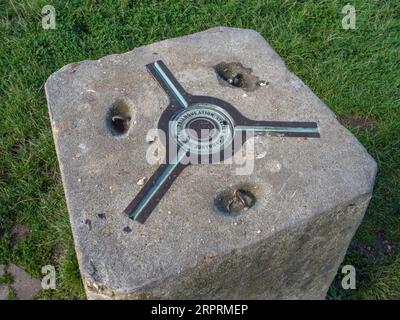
278	231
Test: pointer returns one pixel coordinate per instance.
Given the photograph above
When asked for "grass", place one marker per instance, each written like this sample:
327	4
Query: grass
355	72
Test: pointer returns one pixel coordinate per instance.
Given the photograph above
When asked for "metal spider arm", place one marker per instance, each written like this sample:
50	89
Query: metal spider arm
176	93
154	189
281	128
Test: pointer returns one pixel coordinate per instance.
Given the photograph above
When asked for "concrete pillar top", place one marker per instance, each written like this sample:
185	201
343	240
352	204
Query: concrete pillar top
294	180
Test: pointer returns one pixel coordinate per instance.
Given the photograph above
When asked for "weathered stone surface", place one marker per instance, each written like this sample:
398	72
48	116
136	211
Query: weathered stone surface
3	287
311	193
25	286
3	292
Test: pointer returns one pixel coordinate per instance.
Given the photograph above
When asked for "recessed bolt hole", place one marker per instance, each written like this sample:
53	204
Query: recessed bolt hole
235	200
236	80
119	118
236	75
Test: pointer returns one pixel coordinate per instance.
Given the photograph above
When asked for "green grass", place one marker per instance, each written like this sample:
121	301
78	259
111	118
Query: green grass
355	72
